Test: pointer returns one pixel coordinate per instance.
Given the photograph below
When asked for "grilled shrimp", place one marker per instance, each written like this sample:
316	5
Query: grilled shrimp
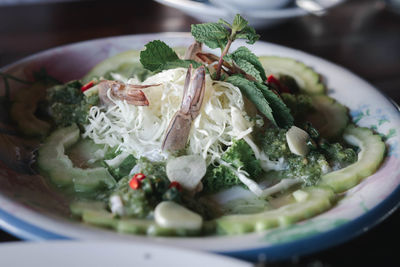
178	130
119	90
193	49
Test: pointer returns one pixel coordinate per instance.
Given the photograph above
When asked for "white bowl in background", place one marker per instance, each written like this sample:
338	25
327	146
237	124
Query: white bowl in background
251	5
260	18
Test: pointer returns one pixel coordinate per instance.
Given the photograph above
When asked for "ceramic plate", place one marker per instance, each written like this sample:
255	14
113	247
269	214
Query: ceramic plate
106	254
30	210
204	11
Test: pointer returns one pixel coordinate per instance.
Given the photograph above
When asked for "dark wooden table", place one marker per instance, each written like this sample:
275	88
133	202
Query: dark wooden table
360	35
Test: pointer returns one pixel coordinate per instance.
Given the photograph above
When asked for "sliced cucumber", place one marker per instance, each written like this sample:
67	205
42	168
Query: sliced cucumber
372	151
91	179
53	161
124	63
308	80
330	117
130	57
23	111
149	227
78	207
319	199
95	213
135	226
100	218
86	154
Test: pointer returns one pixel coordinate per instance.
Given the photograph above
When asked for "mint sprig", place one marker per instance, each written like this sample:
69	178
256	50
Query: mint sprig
245	70
221	35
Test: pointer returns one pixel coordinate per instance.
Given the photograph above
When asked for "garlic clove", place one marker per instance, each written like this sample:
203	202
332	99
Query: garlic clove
297	141
169	214
186	170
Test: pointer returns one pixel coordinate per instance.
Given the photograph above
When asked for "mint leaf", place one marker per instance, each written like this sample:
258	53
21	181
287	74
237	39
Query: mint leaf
253	93
156	54
248	68
248	33
214	35
245	54
159	56
239	23
280	111
224	22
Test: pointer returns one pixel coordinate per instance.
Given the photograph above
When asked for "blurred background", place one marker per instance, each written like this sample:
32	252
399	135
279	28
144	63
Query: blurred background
361	35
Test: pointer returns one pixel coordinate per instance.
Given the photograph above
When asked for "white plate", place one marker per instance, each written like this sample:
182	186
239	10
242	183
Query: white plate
106	254
261	18
30	210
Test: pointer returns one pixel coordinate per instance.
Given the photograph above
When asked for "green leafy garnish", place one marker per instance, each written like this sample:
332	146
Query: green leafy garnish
159	56
251	83
281	112
219	34
157	53
249	69
266	101
67	104
245	69
222	34
243	54
253	93
124	168
240	156
213	35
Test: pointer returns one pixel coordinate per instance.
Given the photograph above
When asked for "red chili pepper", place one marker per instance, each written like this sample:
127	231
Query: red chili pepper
139	176
134	183
176	185
281	87
136	180
272	79
87	86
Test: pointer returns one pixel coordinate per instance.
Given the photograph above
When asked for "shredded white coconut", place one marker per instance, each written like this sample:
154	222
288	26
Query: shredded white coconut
140	130
243	177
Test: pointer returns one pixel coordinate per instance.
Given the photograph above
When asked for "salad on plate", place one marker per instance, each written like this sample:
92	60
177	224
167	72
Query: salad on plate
183	142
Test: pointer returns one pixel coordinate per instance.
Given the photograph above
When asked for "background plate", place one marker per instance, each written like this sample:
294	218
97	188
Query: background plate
106	254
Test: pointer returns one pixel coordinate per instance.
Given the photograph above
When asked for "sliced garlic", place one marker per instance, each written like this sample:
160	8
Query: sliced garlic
116	205
297	141
186	170
300	195
169	214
